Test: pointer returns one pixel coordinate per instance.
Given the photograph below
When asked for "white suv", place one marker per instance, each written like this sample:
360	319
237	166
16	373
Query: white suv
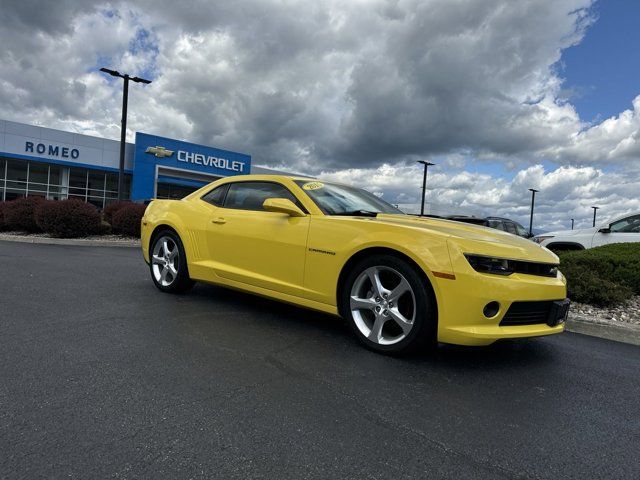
621	230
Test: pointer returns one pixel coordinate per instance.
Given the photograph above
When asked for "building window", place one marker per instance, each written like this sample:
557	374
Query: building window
16	181
57	190
19	178
3	176
78	183
172	191
38	179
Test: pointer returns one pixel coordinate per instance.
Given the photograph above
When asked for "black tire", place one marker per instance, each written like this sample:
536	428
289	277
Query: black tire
422	335
179	282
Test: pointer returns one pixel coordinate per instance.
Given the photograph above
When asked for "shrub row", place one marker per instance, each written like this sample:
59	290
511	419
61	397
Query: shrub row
126	220
70	218
3	225
20	214
603	276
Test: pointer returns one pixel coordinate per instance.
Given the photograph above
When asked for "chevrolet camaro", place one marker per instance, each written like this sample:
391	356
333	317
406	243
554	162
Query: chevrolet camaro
402	282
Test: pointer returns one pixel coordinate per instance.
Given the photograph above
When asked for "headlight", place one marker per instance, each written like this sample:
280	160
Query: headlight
498	266
505	266
542	238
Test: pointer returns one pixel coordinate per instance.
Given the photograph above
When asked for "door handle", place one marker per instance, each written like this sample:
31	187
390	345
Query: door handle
219	220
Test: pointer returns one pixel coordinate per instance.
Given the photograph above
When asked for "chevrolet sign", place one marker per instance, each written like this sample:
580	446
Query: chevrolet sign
210	161
159	152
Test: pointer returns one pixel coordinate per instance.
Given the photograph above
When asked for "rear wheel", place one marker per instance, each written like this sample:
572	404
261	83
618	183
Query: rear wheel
389	306
168	264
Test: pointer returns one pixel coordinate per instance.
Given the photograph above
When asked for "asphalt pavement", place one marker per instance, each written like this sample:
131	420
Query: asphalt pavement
103	376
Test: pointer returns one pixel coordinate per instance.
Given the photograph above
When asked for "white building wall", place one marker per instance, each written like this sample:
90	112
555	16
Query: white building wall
93	151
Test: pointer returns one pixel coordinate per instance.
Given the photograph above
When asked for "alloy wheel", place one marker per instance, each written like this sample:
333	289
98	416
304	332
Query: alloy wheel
383	305
164	261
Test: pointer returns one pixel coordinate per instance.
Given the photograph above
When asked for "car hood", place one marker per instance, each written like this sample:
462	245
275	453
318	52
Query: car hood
476	239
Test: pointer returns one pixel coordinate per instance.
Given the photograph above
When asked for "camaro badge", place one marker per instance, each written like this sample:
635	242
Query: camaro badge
159	152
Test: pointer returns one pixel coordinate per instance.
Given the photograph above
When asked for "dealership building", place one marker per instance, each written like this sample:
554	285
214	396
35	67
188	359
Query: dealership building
57	165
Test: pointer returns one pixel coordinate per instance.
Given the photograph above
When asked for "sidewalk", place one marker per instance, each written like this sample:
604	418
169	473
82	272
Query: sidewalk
105	241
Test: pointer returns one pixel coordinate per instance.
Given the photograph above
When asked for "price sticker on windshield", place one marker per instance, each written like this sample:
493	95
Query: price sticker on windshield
313	186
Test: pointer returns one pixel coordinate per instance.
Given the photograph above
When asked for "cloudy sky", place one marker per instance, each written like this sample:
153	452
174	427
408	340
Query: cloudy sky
502	95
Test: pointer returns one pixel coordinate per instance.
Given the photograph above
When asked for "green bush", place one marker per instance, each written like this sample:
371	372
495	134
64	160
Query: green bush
68	218
126	221
602	276
19	214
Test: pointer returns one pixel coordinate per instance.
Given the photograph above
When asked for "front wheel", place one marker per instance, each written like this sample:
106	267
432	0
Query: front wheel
390	306
168	264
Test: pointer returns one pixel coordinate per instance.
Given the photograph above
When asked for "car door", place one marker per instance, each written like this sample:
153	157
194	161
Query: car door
250	245
620	231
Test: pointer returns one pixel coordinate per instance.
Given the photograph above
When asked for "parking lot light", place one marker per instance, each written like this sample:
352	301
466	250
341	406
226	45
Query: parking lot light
572	224
595	209
533	199
123	128
424	183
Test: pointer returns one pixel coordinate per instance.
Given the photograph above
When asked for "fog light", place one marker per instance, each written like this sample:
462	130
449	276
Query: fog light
491	309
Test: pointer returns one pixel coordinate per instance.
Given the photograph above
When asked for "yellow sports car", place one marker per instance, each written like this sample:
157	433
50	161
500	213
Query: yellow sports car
401	282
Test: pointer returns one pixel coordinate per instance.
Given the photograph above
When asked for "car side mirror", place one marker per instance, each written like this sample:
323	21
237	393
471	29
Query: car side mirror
605	230
282	205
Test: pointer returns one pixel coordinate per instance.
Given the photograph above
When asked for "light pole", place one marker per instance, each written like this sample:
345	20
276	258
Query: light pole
533	199
123	127
595	209
424	183
572	224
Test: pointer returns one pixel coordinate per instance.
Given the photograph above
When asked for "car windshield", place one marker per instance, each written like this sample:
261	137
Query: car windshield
334	199
521	230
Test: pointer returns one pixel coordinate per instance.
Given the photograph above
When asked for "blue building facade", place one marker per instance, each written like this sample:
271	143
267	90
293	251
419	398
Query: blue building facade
160	163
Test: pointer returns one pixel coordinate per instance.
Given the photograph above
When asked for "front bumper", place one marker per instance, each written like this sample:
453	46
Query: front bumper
461	303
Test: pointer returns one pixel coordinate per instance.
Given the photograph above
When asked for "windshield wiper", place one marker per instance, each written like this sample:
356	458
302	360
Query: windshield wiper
358	213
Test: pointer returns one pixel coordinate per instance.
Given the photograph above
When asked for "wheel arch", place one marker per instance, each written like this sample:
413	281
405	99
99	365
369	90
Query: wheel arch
377	250
160	228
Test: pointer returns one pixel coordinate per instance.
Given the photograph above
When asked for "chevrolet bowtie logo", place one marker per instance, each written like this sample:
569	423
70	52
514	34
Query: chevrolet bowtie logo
159	152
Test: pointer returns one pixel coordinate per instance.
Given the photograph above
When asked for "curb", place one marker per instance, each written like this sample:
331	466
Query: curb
84	242
619	333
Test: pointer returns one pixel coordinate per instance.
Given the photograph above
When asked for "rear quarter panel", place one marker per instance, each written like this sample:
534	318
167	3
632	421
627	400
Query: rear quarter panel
185	217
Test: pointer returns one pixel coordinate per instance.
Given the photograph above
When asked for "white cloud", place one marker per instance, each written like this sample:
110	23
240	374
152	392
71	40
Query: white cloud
616	140
565	192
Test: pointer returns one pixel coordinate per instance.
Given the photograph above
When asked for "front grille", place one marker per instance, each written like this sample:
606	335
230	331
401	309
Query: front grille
527	313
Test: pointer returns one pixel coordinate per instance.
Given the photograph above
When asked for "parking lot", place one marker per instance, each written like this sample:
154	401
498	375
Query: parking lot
104	376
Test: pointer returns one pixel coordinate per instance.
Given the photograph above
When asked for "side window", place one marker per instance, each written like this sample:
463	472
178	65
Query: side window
251	195
627	225
497	224
511	228
216	196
